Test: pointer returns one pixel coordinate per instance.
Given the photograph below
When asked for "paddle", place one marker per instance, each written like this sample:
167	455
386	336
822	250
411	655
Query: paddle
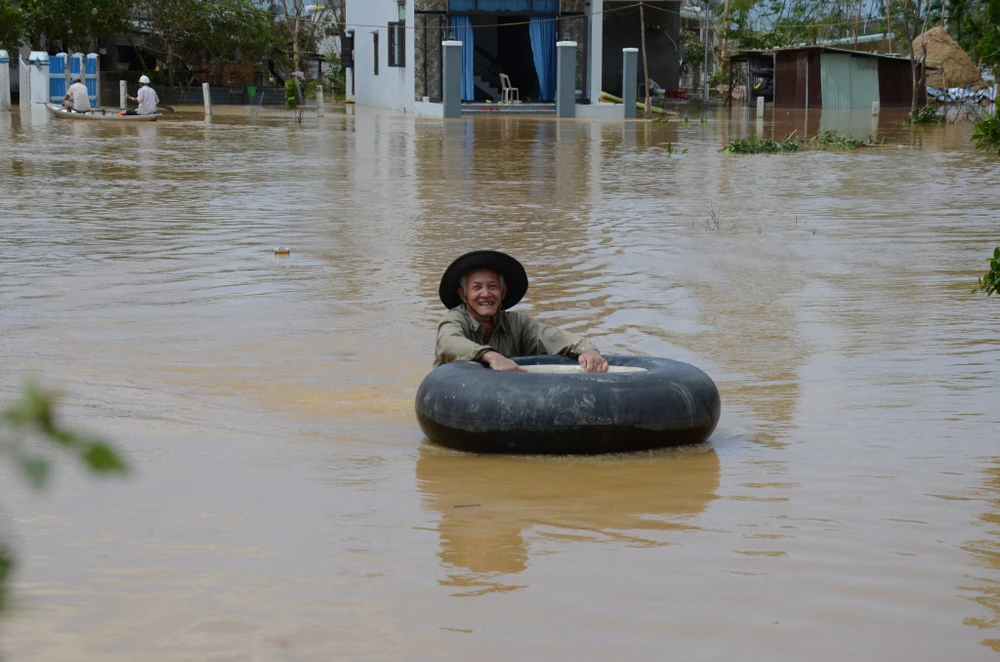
166	107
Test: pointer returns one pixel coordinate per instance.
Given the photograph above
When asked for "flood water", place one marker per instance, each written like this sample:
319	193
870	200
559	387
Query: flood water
283	503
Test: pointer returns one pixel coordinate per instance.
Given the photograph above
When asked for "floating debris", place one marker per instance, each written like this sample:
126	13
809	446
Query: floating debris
282	250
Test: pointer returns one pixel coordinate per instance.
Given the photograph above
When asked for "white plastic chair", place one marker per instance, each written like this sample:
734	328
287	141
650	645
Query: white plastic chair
510	94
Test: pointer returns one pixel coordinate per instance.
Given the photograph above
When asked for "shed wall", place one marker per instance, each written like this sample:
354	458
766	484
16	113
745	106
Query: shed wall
895	82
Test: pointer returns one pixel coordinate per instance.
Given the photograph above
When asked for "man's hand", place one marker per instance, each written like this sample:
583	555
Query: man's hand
592	361
497	361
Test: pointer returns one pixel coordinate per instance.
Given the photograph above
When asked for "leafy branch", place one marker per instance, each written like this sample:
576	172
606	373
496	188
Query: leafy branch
31	420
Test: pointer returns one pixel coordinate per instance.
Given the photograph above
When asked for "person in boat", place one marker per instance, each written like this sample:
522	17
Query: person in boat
145	97
77	97
478	289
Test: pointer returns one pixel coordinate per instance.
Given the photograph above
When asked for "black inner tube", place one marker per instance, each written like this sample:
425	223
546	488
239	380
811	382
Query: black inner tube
466	406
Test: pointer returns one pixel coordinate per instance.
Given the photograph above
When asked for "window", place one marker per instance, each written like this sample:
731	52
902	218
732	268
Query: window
375	38
397	44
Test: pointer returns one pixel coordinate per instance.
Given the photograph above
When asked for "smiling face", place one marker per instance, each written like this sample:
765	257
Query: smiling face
483	293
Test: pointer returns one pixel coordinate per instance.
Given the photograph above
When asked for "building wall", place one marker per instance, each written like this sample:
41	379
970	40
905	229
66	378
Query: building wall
393	87
622	29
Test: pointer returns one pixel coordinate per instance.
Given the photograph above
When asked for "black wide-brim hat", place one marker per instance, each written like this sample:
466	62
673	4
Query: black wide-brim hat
513	274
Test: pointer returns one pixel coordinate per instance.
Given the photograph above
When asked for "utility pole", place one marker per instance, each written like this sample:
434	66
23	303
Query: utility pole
888	22
648	113
704	69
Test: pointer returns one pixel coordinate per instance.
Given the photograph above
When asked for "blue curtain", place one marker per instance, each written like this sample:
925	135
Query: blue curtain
505	5
463	33
543	47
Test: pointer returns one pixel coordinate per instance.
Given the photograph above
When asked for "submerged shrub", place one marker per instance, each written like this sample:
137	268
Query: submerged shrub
926	115
986	134
754	145
823	140
990	282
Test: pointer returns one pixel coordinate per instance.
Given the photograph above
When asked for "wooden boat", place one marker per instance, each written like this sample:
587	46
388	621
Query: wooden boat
105	114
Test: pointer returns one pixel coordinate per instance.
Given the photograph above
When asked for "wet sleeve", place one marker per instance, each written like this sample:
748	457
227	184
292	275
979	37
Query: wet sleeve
547	339
453	345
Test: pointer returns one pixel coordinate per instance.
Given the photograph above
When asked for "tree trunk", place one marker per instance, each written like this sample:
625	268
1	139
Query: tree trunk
295	45
170	64
647	113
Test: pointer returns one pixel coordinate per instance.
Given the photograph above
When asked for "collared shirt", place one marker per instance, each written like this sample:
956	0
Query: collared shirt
460	338
147	100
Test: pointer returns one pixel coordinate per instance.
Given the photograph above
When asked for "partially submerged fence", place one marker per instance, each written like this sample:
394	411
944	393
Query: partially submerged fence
194	95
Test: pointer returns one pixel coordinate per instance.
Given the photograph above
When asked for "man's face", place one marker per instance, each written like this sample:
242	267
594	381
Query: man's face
483	293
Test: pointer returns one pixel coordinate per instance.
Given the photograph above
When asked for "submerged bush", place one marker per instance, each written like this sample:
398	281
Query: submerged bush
753	145
834	139
926	115
826	139
990	282
986	134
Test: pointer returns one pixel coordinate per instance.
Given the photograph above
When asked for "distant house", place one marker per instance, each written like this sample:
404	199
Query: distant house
396	46
825	77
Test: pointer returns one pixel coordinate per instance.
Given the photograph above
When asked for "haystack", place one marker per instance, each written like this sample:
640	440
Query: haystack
943	51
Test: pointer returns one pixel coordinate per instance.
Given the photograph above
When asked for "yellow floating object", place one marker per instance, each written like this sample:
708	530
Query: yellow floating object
282	250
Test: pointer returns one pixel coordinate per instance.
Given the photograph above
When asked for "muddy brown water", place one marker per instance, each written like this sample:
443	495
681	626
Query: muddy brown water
284	504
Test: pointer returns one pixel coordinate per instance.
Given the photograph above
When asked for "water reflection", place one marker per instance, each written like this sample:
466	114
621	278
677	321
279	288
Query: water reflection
495	510
986	589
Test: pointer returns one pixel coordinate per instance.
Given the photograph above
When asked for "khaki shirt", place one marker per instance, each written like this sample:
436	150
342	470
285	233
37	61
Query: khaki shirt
460	338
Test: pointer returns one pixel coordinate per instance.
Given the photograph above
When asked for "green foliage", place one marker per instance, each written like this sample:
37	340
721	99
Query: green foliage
12	26
754	145
834	139
789	143
297	91
76	23
990	282
670	150
926	115
29	434
34	417
336	79
694	50
986	134
201	34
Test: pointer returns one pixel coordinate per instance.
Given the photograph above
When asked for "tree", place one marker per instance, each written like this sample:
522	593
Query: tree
11	26
74	23
202	35
914	17
304	23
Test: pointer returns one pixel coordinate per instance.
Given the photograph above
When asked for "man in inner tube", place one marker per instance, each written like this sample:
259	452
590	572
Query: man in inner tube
478	289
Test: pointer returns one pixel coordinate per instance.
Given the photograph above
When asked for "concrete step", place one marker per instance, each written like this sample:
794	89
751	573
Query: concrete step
508	108
486	87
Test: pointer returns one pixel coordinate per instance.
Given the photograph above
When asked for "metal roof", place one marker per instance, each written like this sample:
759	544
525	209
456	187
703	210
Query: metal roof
791	49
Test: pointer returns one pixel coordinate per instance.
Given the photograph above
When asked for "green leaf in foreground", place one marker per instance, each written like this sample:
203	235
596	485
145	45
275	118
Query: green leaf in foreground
989	283
102	459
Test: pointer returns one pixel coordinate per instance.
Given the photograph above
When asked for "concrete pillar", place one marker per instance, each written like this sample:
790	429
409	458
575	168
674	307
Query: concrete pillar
4	80
630	79
319	101
595	49
122	91
876	108
38	80
451	74
565	79
760	106
207	96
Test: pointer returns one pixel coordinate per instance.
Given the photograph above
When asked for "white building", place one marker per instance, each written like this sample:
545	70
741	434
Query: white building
397	47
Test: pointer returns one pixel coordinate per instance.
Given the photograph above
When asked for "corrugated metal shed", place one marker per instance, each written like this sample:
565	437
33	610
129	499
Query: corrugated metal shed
820	76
